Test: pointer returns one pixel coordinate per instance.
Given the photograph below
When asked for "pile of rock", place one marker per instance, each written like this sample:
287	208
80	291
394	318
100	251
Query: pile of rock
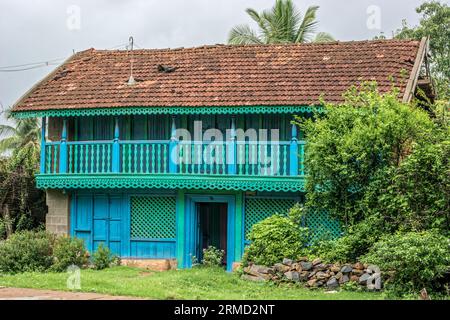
316	274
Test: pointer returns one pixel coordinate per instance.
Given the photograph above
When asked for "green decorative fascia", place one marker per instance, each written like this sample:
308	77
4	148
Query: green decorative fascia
170	181
166	110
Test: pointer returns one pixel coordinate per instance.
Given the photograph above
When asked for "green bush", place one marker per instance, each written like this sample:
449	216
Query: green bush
26	251
69	251
351	142
418	259
355	243
2	229
102	257
212	257
414	196
275	238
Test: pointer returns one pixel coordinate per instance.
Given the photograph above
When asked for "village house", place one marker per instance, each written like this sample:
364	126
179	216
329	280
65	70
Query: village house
161	153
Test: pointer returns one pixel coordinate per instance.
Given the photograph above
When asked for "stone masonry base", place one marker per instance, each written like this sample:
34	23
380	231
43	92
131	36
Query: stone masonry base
151	264
57	219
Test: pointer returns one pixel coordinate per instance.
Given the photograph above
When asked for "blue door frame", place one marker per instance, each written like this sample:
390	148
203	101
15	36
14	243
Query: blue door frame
191	230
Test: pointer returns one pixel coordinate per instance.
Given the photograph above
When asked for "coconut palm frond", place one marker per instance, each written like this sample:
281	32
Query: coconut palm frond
6	130
10	143
307	26
243	34
283	23
323	37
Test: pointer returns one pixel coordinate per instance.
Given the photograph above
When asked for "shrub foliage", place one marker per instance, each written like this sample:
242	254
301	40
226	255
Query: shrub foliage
26	251
69	251
212	257
418	259
102	257
275	238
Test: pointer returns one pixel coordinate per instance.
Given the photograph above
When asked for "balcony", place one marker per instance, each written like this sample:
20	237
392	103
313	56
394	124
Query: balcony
173	163
164	157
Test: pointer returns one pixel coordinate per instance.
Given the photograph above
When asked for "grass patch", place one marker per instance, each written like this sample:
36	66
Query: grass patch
197	283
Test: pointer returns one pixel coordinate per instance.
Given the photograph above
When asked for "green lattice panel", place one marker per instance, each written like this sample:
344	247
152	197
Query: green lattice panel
153	217
321	225
260	209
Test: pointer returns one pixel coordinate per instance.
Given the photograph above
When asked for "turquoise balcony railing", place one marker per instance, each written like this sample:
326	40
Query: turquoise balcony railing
285	158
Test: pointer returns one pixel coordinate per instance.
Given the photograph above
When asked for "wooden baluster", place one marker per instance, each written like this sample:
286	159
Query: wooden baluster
199	156
205	158
92	158
63	149
173	148
43	146
116	149
81	157
49	159
224	157
181	157
108	163
293	152
247	158
254	157
278	159
213	159
153	157
86	159
124	155
135	158
55	159
104	159
259	159
266	157
75	159
159	157
129	151
97	160
232	165
187	148
70	158
147	157
192	157
165	158
141	159
273	161
216	158
241	158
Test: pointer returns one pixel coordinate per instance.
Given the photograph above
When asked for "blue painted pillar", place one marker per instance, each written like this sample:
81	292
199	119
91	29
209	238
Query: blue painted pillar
116	147
232	167
42	162
172	147
293	153
63	149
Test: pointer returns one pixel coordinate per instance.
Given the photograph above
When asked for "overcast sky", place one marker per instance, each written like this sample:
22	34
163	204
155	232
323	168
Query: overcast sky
42	30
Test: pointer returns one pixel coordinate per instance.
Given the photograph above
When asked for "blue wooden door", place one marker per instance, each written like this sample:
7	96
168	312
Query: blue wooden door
107	222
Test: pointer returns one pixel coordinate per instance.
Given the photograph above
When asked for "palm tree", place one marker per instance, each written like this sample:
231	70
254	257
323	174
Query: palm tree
281	24
20	201
23	138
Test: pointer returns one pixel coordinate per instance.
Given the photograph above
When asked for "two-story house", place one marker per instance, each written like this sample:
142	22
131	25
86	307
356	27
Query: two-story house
161	153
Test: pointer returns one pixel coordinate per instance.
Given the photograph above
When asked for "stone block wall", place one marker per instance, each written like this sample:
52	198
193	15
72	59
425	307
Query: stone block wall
57	220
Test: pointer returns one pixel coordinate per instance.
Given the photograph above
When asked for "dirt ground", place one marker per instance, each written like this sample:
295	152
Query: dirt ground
37	294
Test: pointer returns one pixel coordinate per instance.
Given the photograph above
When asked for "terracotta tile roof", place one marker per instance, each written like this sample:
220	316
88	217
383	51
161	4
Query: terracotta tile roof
222	75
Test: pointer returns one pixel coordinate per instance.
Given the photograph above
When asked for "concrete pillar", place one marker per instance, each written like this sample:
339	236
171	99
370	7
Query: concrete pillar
58	219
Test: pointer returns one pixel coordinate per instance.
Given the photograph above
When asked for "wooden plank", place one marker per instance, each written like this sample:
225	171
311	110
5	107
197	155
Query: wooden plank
414	76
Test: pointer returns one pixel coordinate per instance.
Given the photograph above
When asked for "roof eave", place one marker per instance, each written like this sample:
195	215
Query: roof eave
414	76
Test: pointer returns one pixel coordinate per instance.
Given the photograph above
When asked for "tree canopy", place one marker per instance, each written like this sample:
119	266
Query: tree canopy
434	23
283	23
